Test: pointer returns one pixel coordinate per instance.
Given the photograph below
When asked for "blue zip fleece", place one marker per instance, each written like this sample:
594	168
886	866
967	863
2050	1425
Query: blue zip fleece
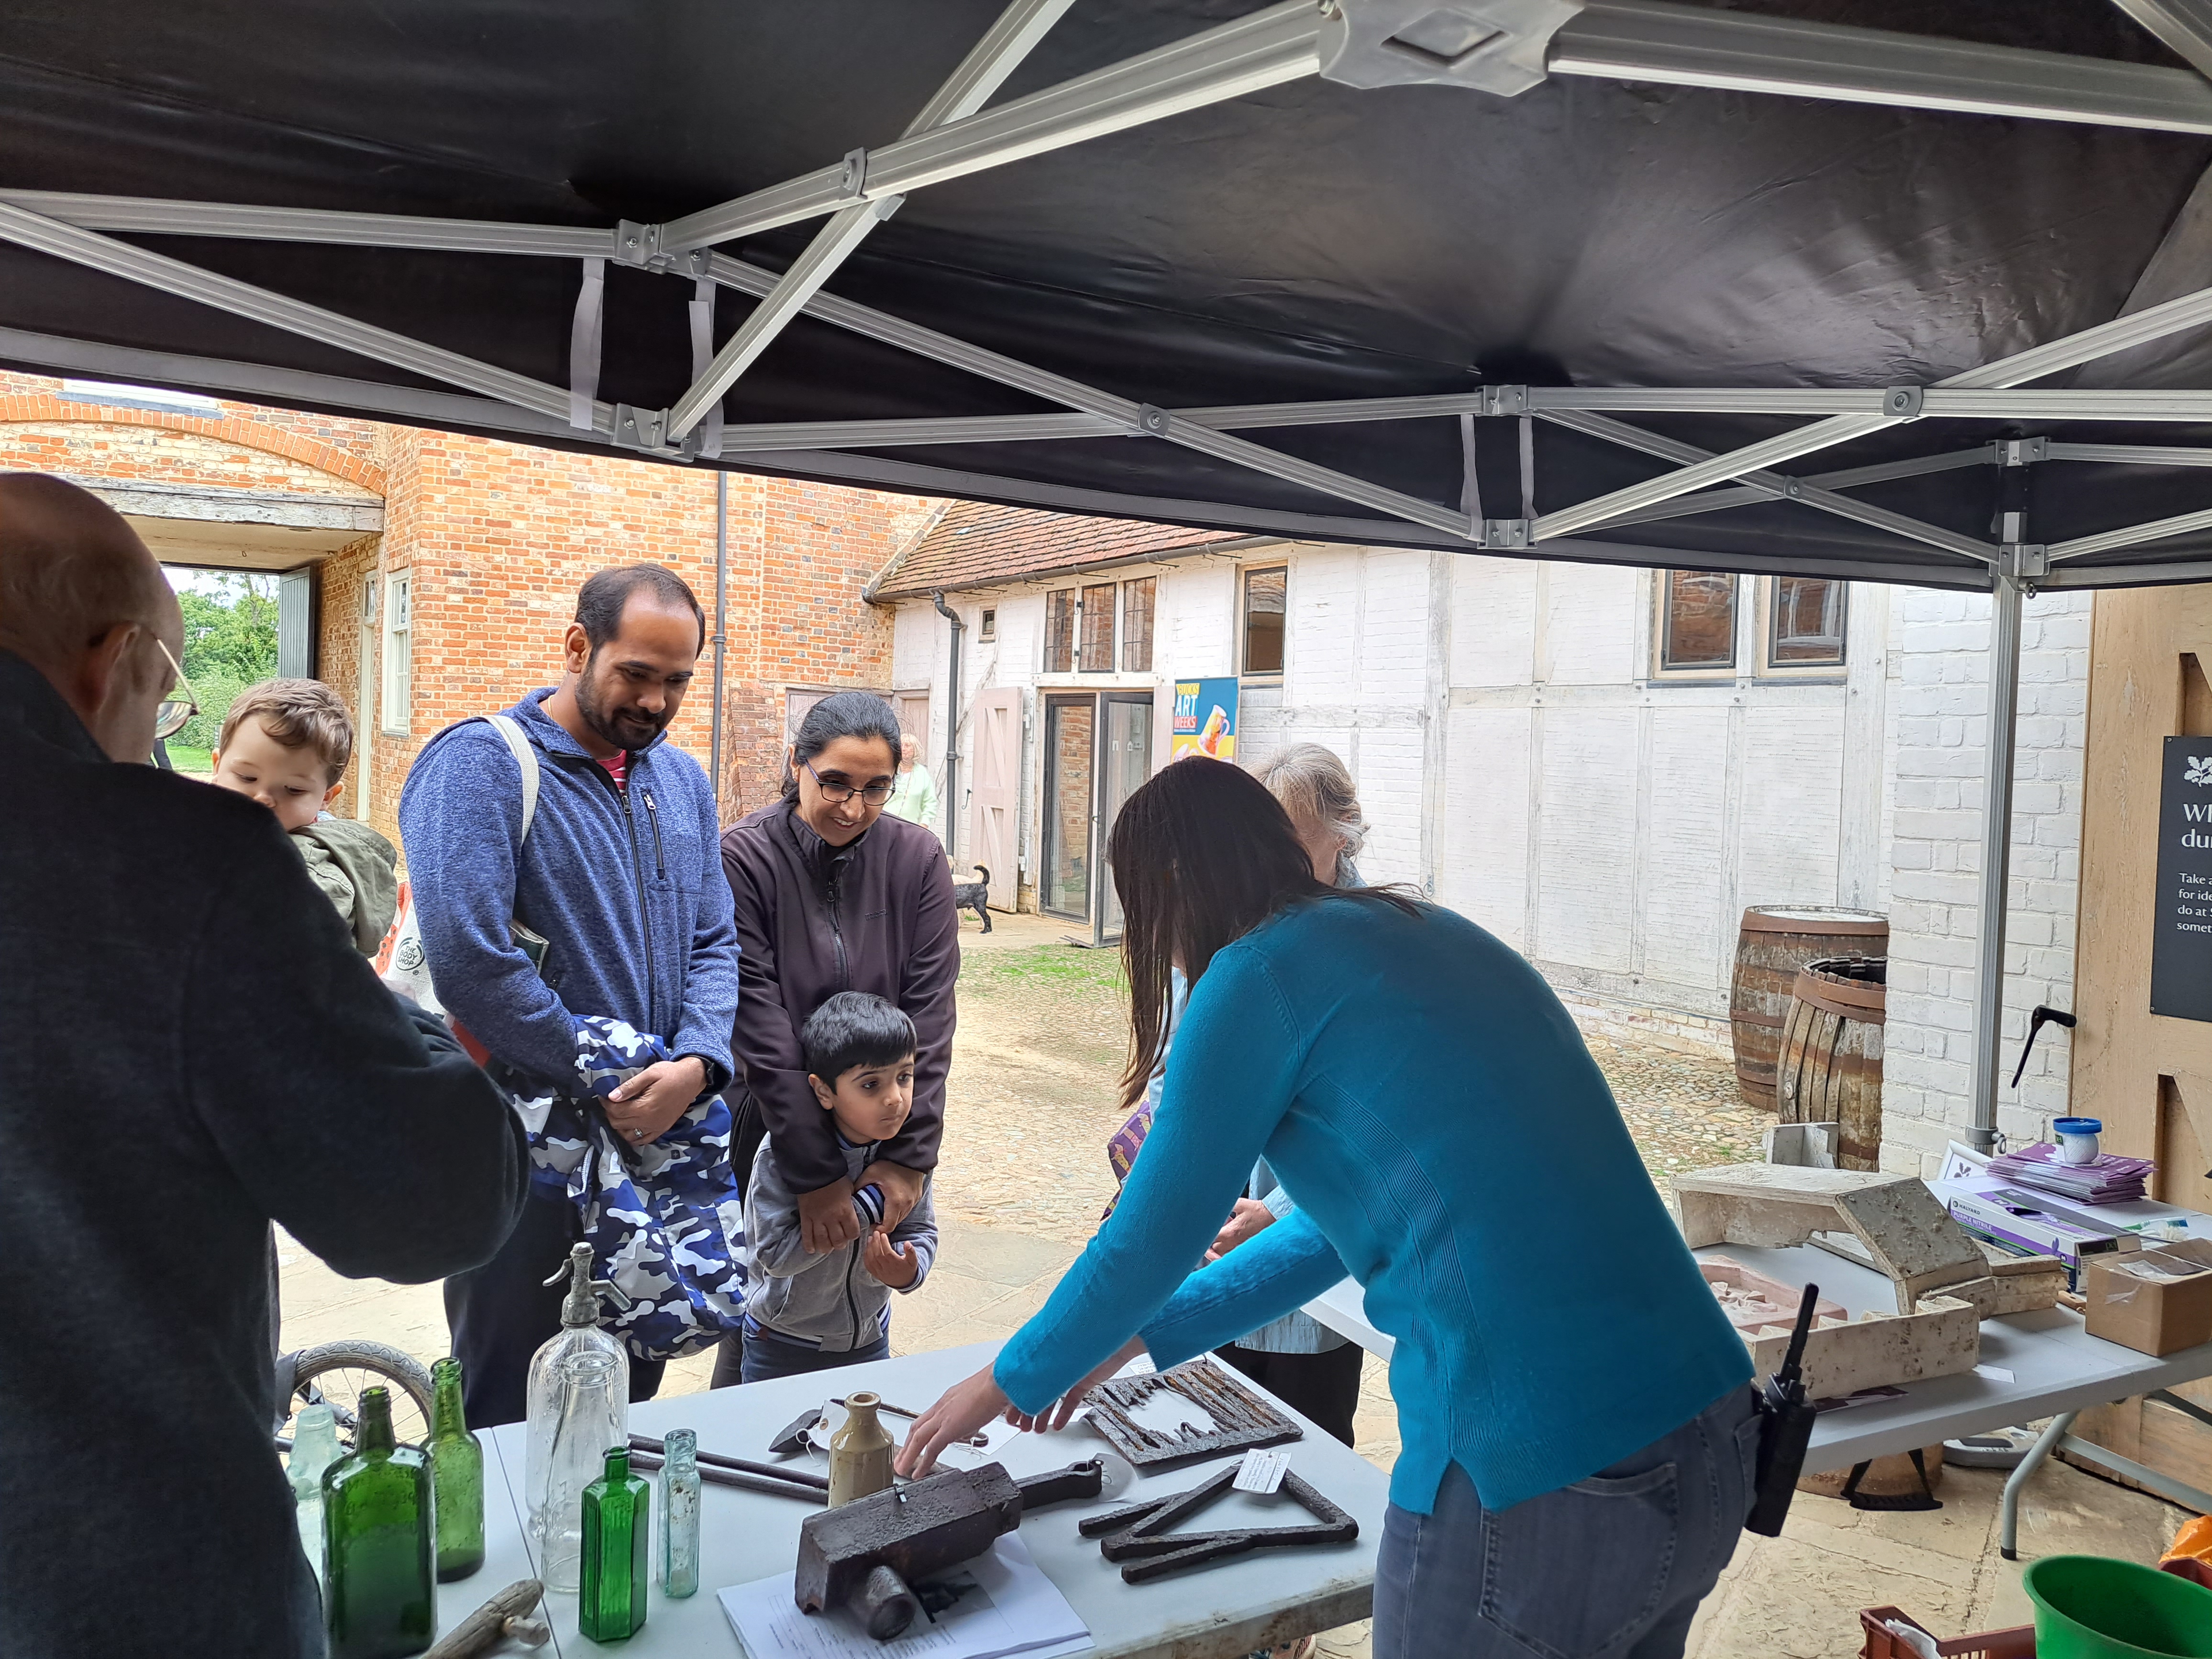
629	893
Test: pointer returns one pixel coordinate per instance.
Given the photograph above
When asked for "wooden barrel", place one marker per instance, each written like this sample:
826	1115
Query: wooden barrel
1830	1070
1777	940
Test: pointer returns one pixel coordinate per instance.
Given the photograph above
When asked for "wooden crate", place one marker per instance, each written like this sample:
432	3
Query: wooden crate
2155	1436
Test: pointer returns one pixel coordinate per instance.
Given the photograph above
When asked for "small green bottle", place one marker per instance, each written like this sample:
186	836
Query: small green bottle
378	1517
617	1563
457	1473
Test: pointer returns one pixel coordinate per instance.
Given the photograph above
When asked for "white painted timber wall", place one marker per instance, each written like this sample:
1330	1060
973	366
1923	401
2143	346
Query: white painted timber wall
1938	694
1613	826
1514	755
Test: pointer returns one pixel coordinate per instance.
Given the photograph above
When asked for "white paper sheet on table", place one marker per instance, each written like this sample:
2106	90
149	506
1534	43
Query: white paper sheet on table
1015	1609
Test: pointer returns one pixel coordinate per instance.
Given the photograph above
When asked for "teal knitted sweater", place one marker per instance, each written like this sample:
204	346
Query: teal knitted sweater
1422	1095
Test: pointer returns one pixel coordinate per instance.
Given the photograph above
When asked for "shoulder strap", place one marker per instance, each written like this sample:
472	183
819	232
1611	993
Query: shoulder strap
526	757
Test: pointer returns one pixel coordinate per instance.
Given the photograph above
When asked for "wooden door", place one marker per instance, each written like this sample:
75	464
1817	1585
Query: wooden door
996	718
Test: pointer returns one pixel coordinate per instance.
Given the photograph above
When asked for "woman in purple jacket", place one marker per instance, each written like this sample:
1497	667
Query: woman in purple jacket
833	895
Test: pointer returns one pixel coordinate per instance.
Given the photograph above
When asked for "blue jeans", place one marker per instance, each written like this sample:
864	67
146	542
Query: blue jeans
1612	1567
767	1356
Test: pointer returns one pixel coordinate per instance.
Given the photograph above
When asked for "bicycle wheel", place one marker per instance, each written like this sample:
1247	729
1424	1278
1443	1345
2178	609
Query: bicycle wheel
334	1374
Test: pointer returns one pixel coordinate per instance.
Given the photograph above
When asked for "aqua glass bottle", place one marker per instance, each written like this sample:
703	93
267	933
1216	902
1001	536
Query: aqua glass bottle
379	1515
314	1448
456	1475
679	1514
618	1562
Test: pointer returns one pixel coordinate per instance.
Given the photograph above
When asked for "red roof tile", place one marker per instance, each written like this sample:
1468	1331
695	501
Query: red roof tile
975	545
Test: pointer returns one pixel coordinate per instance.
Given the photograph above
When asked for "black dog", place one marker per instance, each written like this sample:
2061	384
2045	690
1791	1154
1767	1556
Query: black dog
970	895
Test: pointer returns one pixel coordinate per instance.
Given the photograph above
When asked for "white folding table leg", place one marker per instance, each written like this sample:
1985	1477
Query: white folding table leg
2008	1509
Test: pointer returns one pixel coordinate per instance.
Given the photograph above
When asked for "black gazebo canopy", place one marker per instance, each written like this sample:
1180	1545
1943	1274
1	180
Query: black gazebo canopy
1904	291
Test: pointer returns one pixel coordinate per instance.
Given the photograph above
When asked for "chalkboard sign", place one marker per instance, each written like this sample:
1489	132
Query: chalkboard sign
2181	938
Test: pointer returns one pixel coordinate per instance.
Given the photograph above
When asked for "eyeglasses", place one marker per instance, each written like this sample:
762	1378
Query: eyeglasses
875	793
175	712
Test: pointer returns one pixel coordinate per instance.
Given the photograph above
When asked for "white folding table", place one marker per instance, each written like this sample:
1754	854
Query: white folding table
2056	1369
1215	1612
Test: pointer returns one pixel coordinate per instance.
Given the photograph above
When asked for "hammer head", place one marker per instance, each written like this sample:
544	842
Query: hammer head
792	1438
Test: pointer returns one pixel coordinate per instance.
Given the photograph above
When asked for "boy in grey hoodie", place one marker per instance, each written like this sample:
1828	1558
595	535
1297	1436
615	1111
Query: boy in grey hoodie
814	1312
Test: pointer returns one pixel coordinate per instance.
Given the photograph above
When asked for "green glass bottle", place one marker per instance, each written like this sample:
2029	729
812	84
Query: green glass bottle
379	1518
617	1564
457	1473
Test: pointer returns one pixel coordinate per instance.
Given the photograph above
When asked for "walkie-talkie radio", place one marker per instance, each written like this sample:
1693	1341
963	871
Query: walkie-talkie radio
1785	1428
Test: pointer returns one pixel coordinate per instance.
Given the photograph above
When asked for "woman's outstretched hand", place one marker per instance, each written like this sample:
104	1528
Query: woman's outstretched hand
961	1410
1061	1413
968	1405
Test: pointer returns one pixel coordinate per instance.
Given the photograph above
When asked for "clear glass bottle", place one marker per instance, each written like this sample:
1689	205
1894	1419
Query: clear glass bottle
679	1514
618	1560
579	1332
314	1448
380	1599
456	1475
594	1393
860	1452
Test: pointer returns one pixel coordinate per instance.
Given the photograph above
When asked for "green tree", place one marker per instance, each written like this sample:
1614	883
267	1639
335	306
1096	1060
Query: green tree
230	643
232	630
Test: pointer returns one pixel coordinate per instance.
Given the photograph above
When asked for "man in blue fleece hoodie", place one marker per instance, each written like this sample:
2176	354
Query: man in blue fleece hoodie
620	873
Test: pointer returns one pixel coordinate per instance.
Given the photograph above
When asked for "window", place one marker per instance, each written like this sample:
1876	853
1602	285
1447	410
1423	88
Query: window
1264	592
1137	625
1060	631
1097	630
1805	626
987	628
398	628
1697	621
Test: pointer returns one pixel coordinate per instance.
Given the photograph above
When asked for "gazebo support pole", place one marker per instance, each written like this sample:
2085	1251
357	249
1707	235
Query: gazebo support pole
1996	854
721	626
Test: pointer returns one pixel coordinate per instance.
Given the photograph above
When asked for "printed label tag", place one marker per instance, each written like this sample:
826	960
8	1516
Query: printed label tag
1261	1471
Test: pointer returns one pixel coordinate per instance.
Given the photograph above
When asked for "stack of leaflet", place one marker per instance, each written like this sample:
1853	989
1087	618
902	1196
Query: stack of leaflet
2106	1180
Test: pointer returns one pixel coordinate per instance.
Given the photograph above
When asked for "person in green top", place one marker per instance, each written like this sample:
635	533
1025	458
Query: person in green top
914	792
1578	1434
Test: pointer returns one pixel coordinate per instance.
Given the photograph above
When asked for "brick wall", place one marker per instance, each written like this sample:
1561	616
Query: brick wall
246	448
496	537
1937	695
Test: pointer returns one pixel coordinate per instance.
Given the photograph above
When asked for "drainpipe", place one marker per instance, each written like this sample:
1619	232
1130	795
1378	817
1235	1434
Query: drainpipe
721	600
952	730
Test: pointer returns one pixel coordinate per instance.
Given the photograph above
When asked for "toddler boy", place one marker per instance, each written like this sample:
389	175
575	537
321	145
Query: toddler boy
286	743
813	1312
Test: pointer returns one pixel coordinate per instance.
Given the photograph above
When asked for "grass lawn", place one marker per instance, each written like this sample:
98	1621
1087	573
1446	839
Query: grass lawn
190	759
1049	967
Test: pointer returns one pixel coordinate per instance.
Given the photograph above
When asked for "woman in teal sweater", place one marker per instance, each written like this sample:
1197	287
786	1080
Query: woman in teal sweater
1577	1434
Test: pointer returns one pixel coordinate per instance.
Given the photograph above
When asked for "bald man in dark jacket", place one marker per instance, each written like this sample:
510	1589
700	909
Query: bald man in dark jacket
193	1048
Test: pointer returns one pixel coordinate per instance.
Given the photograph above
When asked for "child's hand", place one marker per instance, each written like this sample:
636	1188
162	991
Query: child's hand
894	1265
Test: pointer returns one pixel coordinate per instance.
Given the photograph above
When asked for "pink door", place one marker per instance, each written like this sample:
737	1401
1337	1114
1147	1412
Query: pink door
997	723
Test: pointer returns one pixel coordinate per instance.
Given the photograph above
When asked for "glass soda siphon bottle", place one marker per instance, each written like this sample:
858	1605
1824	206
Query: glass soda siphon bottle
618	1559
679	1514
456	1476
545	1402
379	1514
314	1448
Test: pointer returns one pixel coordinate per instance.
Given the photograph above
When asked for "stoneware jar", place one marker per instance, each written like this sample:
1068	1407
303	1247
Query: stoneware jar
859	1453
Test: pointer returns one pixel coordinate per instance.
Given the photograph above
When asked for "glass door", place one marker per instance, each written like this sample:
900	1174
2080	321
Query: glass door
1071	744
1125	762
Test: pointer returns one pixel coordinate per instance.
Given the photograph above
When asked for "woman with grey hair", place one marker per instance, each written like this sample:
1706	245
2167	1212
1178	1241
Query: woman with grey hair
1316	790
1297	1359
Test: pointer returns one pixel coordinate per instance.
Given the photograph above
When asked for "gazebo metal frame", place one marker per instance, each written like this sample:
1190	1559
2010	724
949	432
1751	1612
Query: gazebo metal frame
1497	46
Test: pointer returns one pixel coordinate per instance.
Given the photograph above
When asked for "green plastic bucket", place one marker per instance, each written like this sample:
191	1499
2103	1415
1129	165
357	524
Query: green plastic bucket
2089	1607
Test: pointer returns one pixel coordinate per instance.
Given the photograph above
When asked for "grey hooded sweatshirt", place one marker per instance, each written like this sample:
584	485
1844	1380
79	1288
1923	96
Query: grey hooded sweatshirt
830	1301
